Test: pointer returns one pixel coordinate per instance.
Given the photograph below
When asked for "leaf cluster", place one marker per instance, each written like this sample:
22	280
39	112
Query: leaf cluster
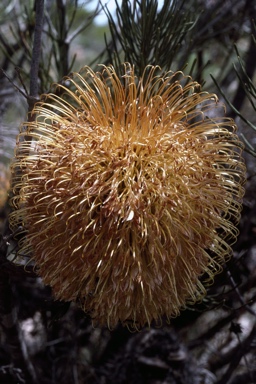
247	86
144	34
61	25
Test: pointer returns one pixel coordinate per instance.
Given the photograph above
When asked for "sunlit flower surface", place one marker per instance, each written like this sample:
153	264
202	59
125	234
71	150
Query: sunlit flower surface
129	190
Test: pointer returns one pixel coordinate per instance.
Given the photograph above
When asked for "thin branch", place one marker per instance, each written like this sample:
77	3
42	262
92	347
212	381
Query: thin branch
237	356
212	331
36	53
24	94
239	296
247	377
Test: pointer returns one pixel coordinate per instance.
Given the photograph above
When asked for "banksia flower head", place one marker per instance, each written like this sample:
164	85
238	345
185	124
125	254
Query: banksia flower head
129	190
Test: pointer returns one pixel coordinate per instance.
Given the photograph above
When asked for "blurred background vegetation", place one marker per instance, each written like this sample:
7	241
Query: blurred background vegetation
43	341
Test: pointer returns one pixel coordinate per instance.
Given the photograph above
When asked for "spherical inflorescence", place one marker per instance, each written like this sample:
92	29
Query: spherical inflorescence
129	190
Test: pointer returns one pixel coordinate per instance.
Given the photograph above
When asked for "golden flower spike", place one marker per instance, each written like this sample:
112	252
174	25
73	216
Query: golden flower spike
129	190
